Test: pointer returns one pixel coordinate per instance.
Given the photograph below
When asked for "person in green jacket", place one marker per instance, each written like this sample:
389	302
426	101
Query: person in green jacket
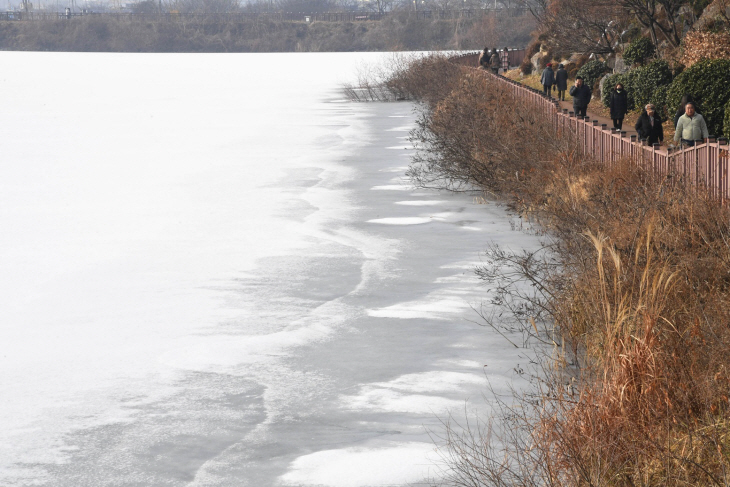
691	127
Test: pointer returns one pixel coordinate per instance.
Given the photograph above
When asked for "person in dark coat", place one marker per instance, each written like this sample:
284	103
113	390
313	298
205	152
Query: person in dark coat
484	58
495	61
581	97
547	79
649	125
680	111
561	81
619	104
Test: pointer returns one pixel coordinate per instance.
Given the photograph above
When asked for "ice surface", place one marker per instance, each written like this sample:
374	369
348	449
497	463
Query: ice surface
420	202
375	465
412	220
215	274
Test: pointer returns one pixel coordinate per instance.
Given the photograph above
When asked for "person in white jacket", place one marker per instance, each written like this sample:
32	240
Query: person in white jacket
691	127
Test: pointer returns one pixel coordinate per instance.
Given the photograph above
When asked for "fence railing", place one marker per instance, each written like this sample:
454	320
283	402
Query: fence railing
706	166
274	16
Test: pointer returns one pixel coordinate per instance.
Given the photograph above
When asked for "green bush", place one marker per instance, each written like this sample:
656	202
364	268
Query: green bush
610	83
646	84
727	120
592	71
707	81
639	50
659	100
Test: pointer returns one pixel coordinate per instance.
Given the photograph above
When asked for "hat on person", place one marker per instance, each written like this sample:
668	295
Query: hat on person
560	66
549	65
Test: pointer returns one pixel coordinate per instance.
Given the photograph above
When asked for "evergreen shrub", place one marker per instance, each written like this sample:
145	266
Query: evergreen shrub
707	81
727	120
649	84
592	71
646	84
639	50
610	83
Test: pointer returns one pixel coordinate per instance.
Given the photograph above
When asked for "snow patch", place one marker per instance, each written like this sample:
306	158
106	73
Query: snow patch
401	221
378	464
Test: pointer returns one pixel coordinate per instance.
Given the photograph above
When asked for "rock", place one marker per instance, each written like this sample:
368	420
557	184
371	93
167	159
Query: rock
620	65
535	60
600	85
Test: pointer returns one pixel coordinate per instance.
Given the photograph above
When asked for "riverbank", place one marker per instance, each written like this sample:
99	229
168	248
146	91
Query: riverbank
634	293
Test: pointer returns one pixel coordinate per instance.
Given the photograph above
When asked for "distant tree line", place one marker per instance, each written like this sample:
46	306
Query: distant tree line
398	30
311	6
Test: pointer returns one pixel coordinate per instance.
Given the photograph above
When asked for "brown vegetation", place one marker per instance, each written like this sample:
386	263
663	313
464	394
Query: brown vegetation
705	45
631	301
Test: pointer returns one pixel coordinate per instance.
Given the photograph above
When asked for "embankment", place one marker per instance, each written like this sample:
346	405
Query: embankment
631	294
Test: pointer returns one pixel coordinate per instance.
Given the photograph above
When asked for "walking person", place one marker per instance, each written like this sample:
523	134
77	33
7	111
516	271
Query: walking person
649	125
495	61
547	79
561	81
581	97
619	104
505	60
484	59
691	127
680	111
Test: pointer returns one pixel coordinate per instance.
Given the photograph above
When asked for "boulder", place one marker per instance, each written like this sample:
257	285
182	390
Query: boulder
535	60
619	65
600	86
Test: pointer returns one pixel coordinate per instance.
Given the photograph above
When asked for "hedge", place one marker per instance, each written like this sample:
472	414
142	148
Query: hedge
592	71
707	81
646	84
639	50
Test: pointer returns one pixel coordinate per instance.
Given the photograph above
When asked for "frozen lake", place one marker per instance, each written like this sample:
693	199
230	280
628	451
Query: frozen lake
215	274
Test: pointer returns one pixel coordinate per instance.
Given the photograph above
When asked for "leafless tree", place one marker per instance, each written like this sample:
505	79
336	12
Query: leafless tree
661	17
579	26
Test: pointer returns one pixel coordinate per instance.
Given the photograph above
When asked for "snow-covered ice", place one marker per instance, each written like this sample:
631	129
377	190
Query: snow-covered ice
215	273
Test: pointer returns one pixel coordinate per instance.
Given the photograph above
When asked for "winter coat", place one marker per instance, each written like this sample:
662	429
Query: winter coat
680	112
619	104
561	79
548	77
645	130
484	58
581	96
694	128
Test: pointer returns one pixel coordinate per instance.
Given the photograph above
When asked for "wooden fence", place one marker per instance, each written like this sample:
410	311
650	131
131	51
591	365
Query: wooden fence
704	166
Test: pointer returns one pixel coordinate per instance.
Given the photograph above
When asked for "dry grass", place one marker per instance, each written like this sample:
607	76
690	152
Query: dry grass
636	283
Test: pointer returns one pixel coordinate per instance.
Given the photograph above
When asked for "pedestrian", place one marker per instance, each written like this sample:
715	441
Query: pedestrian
547	79
495	61
581	97
619	104
680	111
691	127
505	60
649	125
561	80
484	59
